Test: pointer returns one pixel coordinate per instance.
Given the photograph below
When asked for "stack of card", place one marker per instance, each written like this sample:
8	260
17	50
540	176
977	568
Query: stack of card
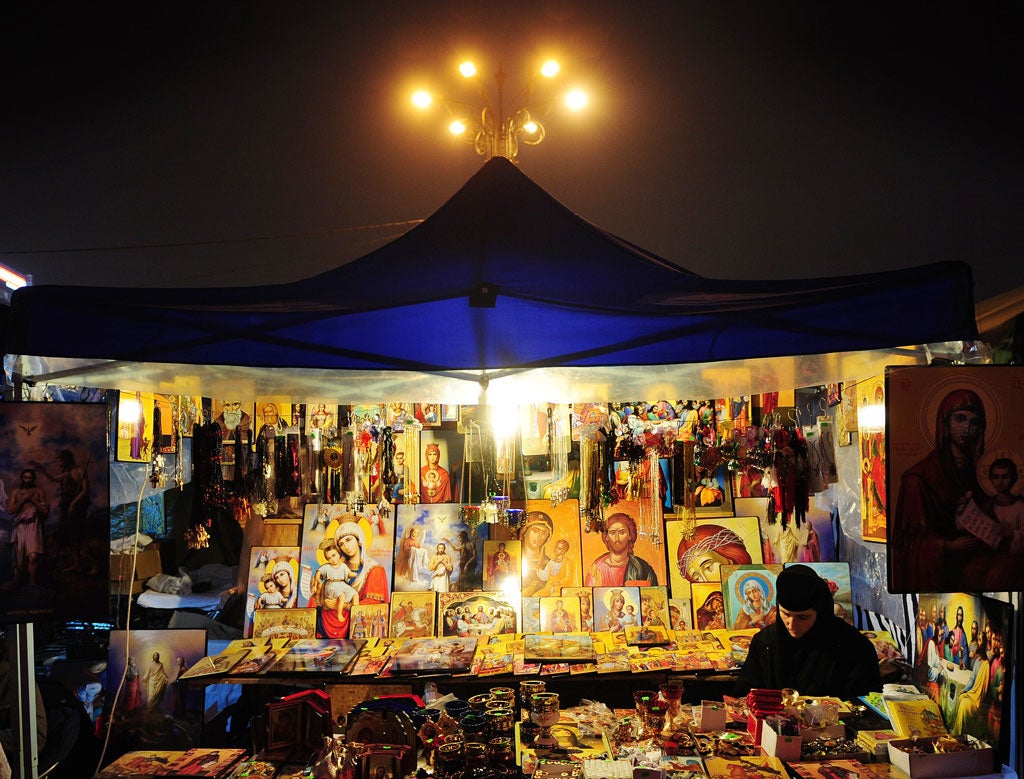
763	703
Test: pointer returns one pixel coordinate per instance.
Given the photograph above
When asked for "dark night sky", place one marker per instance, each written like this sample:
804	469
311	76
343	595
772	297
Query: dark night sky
225	143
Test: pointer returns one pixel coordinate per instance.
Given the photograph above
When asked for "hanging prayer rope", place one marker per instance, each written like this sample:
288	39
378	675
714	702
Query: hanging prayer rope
559	445
651	500
210	496
265	498
595	488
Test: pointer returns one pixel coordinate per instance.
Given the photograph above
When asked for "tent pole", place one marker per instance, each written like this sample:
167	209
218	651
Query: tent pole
23	664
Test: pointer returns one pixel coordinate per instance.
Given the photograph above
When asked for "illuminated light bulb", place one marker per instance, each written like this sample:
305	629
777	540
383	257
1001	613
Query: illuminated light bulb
457	127
504	420
130	410
576	100
549	69
530	127
422	99
871	417
467	69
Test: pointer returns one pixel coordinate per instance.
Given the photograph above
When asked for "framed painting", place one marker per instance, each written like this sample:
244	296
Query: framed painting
413	615
708	606
586	598
962	658
273	581
749	592
739	411
472	614
654	606
624	552
954	455
533	428
453	654
739	643
561	648
871	435
151	664
812	540
550	547
188	412
449	413
714	542
368	620
284	724
55	495
284	623
435	474
135	426
680	613
616	608
436	550
397	414
587	415
331	655
712	496
165	439
274	411
321	417
428	414
344	554
231	416
647	635
257	661
531	614
837	576
367	415
503	565
560	614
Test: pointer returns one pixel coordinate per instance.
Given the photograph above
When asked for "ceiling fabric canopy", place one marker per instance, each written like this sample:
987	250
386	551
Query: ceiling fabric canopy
503	288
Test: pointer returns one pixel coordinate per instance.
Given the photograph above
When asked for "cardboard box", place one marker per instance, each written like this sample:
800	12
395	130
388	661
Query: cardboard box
971	762
754	727
786	748
147	564
707	718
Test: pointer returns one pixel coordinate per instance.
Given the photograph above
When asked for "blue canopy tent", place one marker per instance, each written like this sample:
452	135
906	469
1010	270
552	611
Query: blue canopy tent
503	287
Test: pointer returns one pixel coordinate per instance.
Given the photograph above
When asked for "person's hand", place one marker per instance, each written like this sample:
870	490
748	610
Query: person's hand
961	504
964	544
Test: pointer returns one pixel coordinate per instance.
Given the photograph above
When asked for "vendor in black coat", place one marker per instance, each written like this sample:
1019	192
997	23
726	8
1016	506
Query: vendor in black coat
808	648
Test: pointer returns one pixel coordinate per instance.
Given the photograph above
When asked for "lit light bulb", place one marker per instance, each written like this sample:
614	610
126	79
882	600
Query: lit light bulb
421	99
457	127
549	69
467	69
129	410
576	100
530	127
871	417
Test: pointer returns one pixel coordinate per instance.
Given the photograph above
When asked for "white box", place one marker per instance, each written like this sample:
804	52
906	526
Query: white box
970	762
786	748
708	717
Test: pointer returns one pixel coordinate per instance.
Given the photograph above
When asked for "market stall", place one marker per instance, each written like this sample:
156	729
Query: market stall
502	297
